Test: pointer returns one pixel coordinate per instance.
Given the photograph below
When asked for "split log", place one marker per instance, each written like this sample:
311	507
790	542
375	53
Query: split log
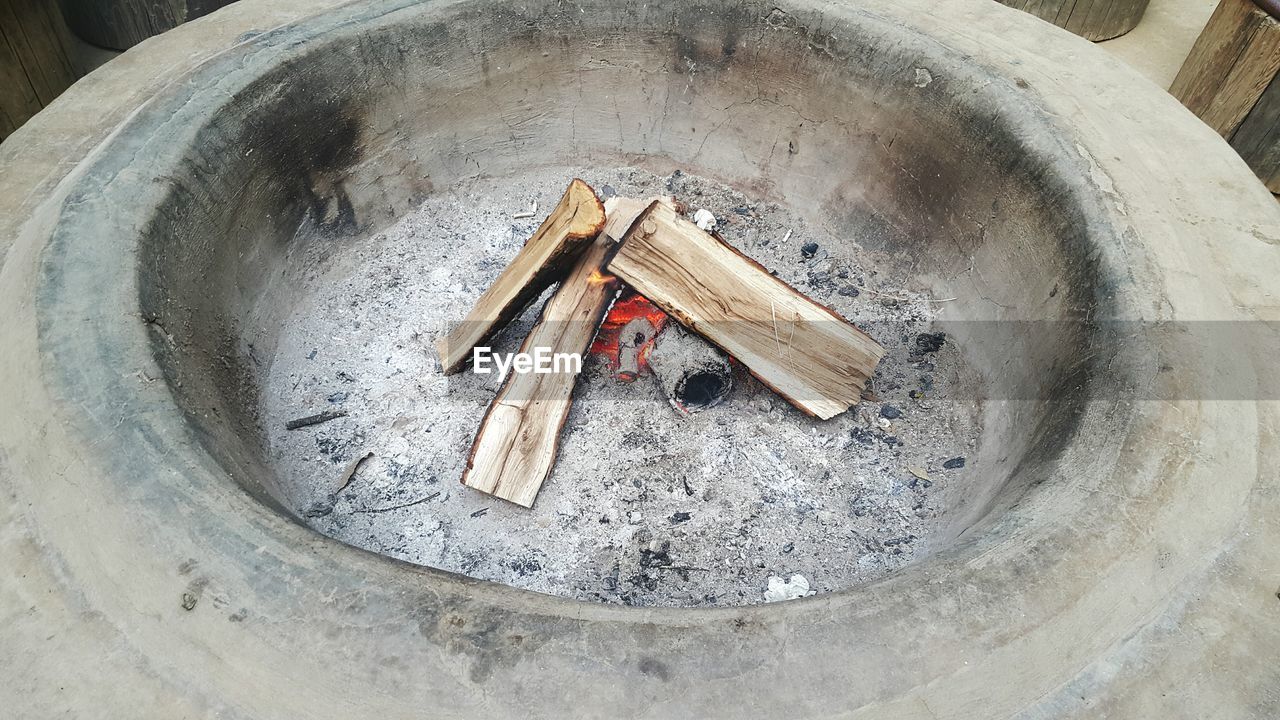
623	211
544	259
692	374
515	448
805	352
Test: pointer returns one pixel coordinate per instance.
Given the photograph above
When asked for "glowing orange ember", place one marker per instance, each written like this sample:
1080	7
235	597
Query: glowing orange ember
642	321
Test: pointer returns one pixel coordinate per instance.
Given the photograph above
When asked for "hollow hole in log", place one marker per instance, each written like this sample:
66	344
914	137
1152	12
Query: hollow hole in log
702	390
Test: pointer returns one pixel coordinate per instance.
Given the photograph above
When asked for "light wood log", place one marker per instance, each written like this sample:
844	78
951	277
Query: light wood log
623	211
515	448
1235	58
544	259
1091	19
805	352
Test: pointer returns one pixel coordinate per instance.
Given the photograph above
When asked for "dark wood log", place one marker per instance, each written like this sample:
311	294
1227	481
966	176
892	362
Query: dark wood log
515	448
1091	19
35	60
805	352
121	24
1258	137
1233	60
545	258
1230	81
692	374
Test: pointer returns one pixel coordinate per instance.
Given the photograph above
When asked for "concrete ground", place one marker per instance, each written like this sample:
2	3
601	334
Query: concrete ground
1159	44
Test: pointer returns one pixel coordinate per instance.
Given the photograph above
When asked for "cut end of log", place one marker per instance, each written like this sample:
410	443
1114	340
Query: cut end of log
692	374
588	212
623	211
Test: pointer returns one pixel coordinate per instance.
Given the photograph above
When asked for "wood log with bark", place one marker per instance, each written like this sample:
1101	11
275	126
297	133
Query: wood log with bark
547	257
805	352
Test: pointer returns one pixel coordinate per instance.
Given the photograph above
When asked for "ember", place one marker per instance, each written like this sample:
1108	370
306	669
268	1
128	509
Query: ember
627	334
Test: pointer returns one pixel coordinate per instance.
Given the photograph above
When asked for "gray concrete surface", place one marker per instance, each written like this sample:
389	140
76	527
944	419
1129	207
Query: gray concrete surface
1160	43
1124	567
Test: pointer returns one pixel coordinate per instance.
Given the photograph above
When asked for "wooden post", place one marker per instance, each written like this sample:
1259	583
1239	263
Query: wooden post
35	60
1258	137
1229	81
121	24
1231	63
1091	19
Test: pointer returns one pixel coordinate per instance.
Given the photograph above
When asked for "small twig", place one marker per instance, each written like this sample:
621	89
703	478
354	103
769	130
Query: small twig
316	419
533	210
397	507
479	512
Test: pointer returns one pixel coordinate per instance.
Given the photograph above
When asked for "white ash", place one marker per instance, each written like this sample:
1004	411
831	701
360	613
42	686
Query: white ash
645	506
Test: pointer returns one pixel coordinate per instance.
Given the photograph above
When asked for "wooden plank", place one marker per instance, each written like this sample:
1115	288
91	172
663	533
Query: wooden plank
1232	62
515	448
544	259
807	353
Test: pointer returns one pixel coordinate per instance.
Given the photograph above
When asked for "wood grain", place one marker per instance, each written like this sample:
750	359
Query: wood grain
544	259
1258	137
1091	19
35	60
1233	60
516	446
121	24
807	353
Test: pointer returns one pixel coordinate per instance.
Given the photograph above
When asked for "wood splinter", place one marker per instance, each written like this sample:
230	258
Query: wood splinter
805	352
544	259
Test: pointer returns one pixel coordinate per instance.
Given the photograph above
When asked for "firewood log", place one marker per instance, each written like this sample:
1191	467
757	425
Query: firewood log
546	258
692	374
516	445
805	352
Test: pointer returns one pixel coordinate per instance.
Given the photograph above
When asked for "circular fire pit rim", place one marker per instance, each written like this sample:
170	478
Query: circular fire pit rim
785	614
189	101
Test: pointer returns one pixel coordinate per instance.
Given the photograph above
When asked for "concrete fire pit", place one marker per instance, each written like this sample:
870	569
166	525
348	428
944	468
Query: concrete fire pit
1109	549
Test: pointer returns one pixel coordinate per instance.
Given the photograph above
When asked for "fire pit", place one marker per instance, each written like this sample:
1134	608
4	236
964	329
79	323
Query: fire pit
278	295
279	227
